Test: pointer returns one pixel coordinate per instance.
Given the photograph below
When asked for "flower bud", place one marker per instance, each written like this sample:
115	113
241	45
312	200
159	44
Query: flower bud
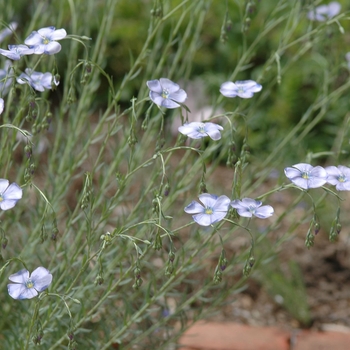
157	245
98	280
4	242
28	150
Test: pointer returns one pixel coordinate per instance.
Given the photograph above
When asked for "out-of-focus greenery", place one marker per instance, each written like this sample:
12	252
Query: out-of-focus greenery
308	68
115	180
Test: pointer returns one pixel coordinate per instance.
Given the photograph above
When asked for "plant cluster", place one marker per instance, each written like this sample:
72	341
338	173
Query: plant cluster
98	208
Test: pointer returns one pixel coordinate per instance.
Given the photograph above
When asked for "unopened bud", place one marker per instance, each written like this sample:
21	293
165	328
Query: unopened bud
338	228
4	242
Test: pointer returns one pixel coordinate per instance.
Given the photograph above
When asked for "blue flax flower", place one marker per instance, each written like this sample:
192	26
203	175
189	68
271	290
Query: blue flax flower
5	80
243	89
44	40
9	194
306	176
15	52
214	209
248	207
347	57
8	31
37	80
2	105
166	93
339	177
324	12
197	130
28	287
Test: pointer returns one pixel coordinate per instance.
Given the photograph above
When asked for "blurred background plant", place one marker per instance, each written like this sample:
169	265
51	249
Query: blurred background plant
107	178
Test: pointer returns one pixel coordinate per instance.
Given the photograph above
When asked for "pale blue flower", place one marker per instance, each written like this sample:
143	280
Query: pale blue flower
28	287
306	176
243	89
339	177
45	40
15	52
9	194
38	81
2	105
214	209
347	57
197	130
248	207
166	93
5	80
324	12
8	31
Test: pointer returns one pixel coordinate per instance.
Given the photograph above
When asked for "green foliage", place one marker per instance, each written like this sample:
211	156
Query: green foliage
288	288
106	177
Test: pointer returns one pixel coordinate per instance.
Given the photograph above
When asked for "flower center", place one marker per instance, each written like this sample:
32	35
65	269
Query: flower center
305	175
201	129
46	40
165	93
241	89
1	198
208	211
29	284
252	210
341	178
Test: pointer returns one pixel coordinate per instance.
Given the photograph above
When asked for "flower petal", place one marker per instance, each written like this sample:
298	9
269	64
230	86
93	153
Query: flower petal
178	96
264	212
250	85
202	219
194	208
333	9
58	34
300	182
15	290
46	81
244	212
13	192
191	130
169	85
156	98
221	204
345	170
208	200
20	276
316	182
245	94
318	171
46	32
28	293
3	185
38	49
169	104
228	89
8	204
8	31
41	278
291	173
2	105
217	216
333	174
245	203
34	38
21	49
154	85
10	54
52	47
303	167
343	186
213	130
